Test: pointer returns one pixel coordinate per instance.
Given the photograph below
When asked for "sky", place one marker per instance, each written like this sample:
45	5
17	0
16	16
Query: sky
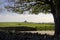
14	17
6	16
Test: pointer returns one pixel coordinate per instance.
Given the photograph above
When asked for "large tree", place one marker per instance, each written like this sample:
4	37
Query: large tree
37	6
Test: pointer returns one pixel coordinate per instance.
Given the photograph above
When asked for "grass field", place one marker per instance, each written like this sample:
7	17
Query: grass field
38	26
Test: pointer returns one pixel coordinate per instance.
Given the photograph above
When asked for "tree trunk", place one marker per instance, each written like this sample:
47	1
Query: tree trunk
57	19
55	10
57	26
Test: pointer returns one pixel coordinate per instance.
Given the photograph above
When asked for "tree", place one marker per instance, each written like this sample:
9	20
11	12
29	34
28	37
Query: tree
37	6
25	21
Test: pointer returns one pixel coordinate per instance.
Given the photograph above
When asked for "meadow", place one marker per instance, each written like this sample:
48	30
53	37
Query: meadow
38	26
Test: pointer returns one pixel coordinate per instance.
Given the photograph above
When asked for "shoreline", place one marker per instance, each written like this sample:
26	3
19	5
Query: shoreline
41	32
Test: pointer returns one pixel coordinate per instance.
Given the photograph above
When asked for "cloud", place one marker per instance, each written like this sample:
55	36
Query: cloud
14	17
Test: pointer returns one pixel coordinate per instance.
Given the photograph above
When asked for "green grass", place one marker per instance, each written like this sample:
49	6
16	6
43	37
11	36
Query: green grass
38	26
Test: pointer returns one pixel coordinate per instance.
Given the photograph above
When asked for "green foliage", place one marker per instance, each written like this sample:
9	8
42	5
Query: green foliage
41	8
18	10
37	7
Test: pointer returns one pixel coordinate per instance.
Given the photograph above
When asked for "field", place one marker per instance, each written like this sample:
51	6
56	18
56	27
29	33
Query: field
38	26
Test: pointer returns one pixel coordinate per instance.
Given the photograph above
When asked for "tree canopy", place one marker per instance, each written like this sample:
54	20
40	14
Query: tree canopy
33	6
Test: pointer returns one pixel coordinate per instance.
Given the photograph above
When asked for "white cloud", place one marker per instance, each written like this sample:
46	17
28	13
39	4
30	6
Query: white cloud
14	17
40	18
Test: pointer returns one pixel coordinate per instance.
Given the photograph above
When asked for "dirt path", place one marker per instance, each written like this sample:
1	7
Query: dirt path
42	32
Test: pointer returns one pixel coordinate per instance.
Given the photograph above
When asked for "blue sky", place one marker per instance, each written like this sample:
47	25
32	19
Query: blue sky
6	16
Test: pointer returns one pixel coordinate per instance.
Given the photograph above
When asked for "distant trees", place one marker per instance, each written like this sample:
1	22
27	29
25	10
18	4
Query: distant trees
25	21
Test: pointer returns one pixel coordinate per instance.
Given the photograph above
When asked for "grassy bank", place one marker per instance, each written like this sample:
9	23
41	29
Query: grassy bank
38	26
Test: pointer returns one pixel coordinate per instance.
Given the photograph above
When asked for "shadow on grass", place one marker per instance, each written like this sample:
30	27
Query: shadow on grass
18	28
